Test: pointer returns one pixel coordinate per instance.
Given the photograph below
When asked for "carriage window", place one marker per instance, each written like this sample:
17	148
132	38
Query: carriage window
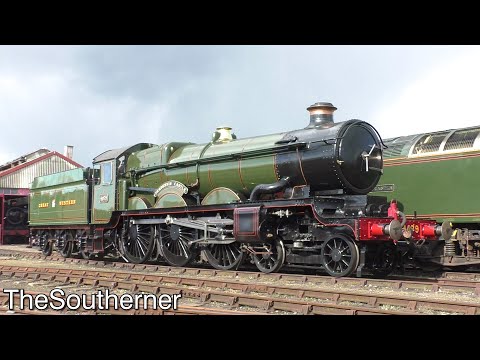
429	143
106	173
393	151
462	139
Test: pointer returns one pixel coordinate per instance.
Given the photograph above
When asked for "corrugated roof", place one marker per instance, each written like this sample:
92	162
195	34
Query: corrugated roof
23	159
43	157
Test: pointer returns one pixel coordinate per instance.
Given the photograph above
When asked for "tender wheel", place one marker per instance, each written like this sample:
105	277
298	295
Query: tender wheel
224	256
81	236
137	243
65	246
270	257
174	244
340	256
47	245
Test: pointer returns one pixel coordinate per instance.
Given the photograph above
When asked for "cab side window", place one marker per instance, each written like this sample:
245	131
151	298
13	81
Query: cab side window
106	173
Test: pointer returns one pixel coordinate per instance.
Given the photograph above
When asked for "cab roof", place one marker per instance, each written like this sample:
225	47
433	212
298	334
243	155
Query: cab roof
116	153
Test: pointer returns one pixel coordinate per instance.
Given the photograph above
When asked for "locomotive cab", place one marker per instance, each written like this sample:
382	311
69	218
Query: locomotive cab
111	189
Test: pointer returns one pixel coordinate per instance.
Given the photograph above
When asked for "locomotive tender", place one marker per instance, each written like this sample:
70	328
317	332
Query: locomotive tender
297	198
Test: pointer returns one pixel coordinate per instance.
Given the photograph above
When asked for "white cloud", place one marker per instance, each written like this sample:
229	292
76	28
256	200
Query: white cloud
445	97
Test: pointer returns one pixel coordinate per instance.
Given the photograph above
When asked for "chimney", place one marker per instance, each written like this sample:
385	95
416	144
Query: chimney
68	151
321	114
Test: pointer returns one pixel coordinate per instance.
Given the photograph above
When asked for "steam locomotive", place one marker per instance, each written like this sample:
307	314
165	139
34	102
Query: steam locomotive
16	213
14	225
298	198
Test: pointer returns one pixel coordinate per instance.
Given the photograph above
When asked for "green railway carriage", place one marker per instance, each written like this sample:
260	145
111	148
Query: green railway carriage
298	197
436	175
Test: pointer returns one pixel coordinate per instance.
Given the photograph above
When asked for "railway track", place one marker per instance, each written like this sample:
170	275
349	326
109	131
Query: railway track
17	251
202	283
238	292
467	283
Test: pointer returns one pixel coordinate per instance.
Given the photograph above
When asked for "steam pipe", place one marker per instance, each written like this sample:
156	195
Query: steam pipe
268	188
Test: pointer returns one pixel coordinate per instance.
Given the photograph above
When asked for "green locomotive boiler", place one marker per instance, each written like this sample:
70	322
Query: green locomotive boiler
298	198
434	175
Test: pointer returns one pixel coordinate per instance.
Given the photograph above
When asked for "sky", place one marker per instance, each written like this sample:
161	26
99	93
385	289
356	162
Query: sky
98	98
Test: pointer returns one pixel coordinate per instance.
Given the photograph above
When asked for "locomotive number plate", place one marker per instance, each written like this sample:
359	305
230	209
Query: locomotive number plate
412	228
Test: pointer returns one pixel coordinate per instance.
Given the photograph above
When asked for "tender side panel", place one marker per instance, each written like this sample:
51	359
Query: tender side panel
59	199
